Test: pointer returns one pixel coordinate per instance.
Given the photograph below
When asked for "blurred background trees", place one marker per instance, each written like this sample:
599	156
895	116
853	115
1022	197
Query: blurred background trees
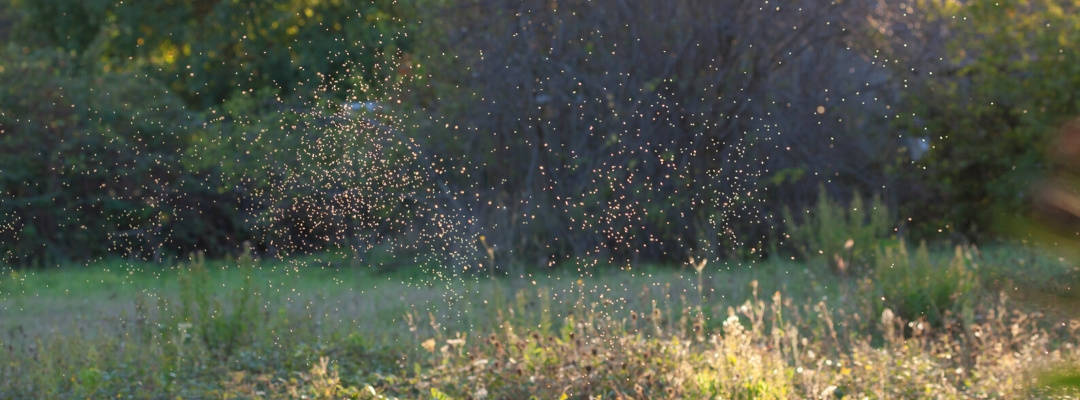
1007	81
554	129
127	128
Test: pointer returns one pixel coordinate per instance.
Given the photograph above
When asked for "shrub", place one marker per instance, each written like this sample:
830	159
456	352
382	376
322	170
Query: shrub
106	105
843	236
222	328
85	160
917	287
113	163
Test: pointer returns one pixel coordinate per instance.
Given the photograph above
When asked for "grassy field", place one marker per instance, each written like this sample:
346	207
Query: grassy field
913	323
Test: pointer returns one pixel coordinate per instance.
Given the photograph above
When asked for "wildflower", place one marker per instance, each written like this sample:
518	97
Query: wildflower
887	317
428	345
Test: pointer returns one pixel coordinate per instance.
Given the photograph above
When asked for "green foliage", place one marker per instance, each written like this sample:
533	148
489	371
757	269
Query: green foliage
85	160
68	25
223	327
1062	381
919	287
1011	80
200	49
859	239
130	128
846	237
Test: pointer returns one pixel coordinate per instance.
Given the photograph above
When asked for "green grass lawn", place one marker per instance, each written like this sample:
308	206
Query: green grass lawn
322	326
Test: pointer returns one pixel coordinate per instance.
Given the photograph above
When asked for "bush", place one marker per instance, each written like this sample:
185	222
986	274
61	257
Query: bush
222	327
151	130
86	161
846	237
917	287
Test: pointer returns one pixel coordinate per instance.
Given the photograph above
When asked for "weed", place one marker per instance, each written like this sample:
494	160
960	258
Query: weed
221	327
917	287
843	237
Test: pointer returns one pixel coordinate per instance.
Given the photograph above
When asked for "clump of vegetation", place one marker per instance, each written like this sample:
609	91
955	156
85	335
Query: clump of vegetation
222	327
919	287
765	349
857	241
845	237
